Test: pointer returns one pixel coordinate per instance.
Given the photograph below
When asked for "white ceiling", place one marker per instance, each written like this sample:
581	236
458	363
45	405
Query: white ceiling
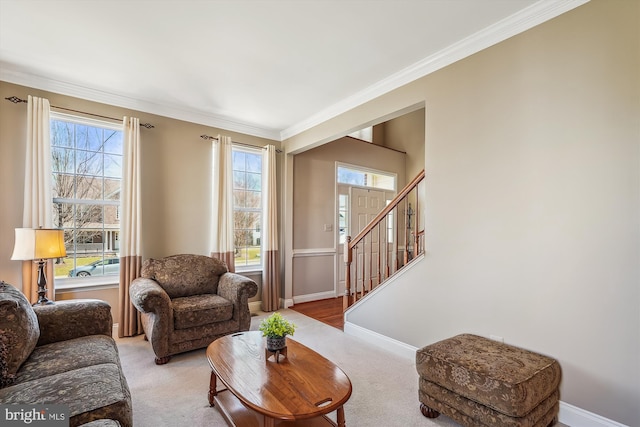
262	67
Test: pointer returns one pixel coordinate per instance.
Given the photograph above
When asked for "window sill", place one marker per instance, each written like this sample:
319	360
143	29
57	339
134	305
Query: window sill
88	284
249	271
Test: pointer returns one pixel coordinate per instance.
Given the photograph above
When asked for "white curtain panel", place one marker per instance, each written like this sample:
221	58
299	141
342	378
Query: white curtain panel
222	245
270	253
130	227
37	211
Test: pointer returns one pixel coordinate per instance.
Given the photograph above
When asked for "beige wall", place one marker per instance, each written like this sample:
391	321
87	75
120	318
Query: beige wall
176	174
533	202
406	133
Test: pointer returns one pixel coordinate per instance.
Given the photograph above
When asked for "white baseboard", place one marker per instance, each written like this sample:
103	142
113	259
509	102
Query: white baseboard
286	303
569	415
314	297
397	347
576	417
255	306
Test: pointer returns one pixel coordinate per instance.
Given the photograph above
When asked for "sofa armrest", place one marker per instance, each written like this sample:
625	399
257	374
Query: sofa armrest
71	319
238	289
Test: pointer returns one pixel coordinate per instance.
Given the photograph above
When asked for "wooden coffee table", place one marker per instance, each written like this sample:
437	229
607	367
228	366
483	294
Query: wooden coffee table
299	390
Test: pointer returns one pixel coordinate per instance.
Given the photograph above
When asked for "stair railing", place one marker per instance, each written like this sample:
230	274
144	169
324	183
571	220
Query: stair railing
384	246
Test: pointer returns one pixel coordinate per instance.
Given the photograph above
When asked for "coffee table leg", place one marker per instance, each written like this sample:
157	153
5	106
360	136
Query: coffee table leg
269	422
212	388
340	417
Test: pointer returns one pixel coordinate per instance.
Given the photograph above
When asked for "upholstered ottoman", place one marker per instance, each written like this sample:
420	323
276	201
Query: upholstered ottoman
484	383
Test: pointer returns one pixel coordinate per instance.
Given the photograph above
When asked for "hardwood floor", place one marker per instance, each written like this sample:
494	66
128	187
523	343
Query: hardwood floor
328	311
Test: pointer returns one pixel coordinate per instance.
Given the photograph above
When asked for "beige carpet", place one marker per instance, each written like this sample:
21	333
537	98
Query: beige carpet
385	386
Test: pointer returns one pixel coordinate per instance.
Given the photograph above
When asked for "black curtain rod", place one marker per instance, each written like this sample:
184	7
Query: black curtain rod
17	100
209	138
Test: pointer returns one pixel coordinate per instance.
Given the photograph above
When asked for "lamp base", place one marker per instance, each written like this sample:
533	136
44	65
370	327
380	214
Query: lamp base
42	300
42	286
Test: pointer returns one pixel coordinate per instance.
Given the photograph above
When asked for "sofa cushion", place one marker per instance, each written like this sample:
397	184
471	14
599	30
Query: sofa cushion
19	332
197	310
185	275
92	392
64	356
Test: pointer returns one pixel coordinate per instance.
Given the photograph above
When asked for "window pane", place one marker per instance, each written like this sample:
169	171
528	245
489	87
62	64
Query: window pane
88	162
88	187
239	160
254	181
239	180
113	165
61	134
253	199
254	163
112	189
62	160
112	142
82	137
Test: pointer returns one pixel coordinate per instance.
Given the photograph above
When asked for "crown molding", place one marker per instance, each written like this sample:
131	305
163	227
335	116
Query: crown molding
517	23
527	18
194	116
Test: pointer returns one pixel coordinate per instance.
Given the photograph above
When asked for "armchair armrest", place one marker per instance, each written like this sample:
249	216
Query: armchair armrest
238	289
71	319
148	296
157	312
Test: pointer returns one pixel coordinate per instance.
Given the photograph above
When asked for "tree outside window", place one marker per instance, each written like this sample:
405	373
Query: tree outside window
247	206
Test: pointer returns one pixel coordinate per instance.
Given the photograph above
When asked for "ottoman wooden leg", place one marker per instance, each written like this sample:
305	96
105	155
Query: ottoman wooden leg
428	412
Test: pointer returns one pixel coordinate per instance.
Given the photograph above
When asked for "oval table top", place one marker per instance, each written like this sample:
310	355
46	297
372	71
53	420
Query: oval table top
301	385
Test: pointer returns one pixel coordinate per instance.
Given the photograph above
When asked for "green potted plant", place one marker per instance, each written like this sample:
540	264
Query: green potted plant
276	328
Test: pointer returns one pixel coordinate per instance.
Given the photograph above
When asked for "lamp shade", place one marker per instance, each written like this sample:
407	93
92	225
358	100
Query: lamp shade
38	243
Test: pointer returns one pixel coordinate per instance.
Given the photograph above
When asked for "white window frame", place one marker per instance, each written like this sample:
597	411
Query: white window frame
254	151
96	282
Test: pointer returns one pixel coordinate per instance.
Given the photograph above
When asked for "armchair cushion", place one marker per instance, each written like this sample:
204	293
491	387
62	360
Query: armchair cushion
198	310
19	332
185	275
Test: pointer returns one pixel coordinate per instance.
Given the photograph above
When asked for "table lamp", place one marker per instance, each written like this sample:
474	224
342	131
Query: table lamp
39	244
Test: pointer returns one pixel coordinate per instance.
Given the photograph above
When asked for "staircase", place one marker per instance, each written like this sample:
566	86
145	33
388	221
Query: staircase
387	244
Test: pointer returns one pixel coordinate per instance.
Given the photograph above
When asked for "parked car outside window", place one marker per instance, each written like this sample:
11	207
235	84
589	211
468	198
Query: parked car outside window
97	268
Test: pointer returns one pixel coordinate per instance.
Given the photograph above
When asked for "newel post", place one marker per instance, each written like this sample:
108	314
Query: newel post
346	299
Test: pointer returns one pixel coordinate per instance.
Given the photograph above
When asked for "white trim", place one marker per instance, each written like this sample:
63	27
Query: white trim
313	297
71	89
255	307
286	303
517	23
394	346
576	417
297	253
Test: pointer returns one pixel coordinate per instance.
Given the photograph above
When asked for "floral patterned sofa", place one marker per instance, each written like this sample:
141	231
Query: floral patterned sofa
62	354
187	301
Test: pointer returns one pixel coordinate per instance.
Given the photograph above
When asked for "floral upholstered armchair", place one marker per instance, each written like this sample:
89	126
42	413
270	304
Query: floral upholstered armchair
187	301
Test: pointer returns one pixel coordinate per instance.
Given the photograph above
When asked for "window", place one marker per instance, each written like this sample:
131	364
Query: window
87	171
247	207
365	178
